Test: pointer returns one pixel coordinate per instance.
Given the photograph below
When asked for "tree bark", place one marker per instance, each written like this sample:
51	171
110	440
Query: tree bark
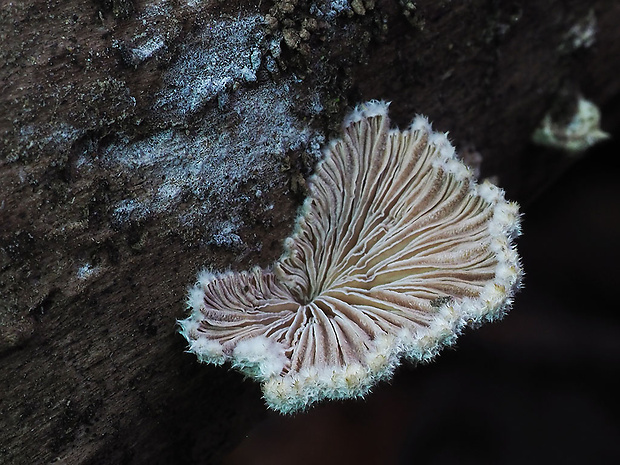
142	141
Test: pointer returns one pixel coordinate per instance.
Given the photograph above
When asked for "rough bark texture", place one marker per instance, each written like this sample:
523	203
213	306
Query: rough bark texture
141	141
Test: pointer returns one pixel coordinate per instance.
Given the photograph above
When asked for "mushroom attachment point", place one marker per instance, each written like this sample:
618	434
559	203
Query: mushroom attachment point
396	249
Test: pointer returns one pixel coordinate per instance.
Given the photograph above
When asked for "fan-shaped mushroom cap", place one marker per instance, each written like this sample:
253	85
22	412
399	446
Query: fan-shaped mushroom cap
395	250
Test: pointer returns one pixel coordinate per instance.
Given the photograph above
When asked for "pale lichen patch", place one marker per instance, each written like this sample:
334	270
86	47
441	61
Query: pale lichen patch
87	271
572	133
225	165
226	52
329	10
581	35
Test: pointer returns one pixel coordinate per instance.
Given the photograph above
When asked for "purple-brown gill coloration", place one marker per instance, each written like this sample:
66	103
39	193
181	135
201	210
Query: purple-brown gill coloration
395	251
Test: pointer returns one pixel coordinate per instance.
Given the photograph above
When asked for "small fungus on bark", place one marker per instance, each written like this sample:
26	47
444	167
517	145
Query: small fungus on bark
395	251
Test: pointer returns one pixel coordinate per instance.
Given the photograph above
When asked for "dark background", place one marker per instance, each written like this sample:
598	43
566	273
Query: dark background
540	386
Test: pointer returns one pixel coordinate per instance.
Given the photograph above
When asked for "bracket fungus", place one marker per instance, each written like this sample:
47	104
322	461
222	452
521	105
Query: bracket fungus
396	249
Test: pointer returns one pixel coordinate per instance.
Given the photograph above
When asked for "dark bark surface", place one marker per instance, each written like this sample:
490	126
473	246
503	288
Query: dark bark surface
142	141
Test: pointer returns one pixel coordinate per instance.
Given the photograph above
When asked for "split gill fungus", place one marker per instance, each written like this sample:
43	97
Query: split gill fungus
395	251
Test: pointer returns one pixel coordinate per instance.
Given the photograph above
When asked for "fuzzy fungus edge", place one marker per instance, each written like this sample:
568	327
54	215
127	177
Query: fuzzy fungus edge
395	251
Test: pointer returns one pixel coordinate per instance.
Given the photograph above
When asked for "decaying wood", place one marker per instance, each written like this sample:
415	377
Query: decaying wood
96	255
